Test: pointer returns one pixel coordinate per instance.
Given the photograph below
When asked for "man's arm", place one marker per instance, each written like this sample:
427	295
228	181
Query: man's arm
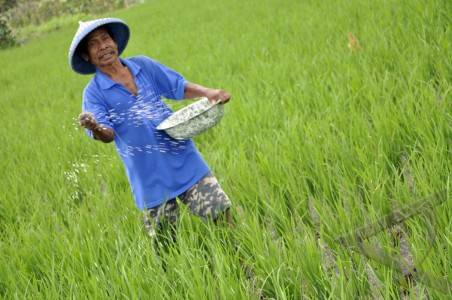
193	90
100	132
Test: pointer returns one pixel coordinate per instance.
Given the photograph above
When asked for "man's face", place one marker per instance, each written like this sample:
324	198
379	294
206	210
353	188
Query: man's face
101	48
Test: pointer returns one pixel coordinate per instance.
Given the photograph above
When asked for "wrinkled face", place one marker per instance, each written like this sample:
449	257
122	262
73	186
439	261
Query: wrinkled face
101	49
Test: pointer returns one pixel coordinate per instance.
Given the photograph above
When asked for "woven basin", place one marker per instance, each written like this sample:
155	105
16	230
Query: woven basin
192	119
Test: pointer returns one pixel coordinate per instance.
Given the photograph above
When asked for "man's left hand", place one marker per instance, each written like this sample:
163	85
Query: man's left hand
216	95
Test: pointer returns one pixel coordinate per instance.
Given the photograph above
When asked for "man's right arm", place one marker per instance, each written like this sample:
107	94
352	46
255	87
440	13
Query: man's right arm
102	133
95	117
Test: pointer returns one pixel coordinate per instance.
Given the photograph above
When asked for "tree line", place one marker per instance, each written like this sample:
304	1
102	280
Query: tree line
15	14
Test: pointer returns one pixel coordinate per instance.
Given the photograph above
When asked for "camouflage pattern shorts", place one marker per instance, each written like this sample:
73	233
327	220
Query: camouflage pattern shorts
205	199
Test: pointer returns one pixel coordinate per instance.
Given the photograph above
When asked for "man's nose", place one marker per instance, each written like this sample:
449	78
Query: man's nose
103	45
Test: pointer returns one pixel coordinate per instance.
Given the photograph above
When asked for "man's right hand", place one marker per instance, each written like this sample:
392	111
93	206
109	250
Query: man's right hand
87	120
102	133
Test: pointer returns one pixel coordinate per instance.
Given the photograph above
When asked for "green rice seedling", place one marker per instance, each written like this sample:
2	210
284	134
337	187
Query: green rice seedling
310	124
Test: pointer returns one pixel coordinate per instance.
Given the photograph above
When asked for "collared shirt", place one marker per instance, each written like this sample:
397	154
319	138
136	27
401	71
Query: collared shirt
158	167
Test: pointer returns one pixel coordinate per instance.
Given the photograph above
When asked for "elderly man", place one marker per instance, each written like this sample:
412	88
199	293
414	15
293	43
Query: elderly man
122	103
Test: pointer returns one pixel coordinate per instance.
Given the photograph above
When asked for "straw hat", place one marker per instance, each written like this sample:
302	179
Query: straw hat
118	29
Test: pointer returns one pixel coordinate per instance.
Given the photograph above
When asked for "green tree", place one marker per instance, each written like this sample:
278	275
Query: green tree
6	5
7	38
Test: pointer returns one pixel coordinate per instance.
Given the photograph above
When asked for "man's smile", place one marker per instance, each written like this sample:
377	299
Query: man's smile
106	55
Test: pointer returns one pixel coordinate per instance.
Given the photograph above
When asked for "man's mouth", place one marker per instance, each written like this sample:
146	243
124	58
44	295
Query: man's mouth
106	55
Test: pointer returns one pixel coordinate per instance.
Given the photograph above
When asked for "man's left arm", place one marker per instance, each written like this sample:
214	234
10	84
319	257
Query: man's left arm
193	90
172	85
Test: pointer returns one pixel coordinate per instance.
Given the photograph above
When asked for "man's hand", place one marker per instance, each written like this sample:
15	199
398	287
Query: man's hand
193	90
102	133
87	120
215	95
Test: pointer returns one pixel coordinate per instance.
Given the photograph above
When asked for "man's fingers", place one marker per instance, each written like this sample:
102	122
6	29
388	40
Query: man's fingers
86	117
225	97
219	96
87	120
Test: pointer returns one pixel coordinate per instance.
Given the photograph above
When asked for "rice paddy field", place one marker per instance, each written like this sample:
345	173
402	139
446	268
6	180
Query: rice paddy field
340	116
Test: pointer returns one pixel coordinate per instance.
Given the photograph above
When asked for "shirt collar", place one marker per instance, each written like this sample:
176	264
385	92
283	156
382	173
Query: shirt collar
106	82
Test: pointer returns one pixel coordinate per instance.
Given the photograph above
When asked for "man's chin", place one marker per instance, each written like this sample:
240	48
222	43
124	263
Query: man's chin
108	62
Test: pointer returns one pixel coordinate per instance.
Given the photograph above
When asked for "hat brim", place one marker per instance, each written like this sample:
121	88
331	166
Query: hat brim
117	28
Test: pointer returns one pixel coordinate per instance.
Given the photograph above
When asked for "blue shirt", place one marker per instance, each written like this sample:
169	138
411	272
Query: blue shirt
158	167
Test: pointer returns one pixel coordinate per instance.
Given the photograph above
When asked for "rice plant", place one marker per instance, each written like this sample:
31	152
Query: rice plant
340	116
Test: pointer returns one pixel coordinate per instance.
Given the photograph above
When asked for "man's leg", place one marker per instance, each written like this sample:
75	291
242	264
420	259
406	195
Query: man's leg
160	224
207	199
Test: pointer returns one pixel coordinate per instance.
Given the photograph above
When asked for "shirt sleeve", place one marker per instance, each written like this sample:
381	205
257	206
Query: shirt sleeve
93	103
170	84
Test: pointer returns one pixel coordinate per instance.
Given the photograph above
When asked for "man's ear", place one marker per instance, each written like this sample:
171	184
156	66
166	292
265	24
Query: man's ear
85	57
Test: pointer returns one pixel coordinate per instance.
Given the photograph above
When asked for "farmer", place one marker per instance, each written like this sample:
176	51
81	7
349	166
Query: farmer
122	103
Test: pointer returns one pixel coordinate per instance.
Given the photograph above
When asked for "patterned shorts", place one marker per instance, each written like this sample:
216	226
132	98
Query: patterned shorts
205	199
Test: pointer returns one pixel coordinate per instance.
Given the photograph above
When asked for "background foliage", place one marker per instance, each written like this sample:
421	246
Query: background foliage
326	132
16	14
